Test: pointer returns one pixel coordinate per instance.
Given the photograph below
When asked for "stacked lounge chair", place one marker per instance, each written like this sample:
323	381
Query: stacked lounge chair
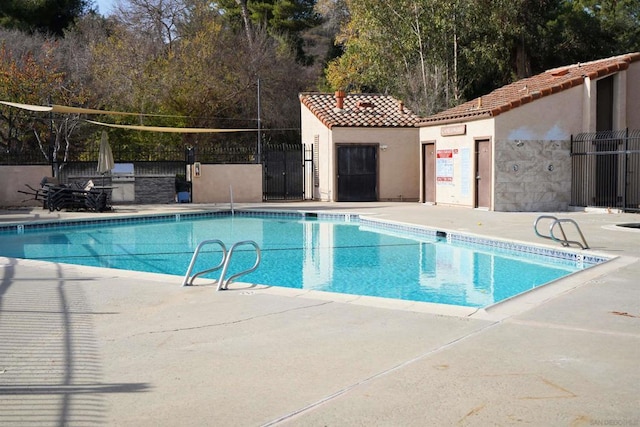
56	196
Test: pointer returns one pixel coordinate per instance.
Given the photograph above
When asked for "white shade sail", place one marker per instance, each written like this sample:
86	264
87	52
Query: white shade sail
169	129
77	110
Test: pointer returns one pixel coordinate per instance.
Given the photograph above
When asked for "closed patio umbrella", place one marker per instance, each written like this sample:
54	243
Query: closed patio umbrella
105	156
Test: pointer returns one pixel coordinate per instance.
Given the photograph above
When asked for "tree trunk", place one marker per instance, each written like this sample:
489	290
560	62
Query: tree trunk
245	19
523	61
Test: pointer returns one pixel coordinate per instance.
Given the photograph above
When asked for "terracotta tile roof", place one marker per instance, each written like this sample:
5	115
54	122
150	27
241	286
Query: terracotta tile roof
532	88
359	110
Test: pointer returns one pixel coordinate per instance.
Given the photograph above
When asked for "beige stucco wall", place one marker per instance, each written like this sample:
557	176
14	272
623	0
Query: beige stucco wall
462	189
213	184
532	163
14	178
313	132
553	117
572	111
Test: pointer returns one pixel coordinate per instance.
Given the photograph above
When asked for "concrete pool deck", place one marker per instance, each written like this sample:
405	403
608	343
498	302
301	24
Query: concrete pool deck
91	346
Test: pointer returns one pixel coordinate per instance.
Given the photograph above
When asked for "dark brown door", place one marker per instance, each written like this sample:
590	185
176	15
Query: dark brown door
357	173
483	173
429	173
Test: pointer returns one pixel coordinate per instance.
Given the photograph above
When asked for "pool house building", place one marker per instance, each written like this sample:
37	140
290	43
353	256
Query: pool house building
550	142
363	145
559	140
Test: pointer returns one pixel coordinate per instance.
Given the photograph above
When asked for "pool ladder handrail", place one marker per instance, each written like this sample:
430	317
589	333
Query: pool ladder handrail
224	263
224	284
558	221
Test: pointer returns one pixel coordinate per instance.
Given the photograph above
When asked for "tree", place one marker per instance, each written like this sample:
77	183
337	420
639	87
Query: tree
285	20
587	30
33	76
157	21
42	16
213	77
207	78
321	39
436	53
399	47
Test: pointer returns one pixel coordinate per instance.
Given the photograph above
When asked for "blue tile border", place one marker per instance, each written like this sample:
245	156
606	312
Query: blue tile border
469	240
269	214
61	224
58	224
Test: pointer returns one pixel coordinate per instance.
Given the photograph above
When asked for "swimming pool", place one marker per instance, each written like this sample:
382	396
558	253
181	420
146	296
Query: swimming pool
327	252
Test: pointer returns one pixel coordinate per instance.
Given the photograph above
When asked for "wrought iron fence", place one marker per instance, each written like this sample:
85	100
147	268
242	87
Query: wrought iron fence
22	157
227	149
205	154
606	169
226	155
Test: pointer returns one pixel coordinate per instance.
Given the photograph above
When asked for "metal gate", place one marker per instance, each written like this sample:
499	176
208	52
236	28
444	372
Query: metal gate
606	169
283	170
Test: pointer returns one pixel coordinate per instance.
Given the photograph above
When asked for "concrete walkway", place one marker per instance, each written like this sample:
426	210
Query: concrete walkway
90	346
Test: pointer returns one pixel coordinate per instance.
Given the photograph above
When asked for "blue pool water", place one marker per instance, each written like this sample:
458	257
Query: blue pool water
312	253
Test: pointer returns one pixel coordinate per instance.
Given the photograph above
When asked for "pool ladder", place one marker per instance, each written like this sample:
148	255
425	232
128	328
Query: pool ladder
558	221
224	263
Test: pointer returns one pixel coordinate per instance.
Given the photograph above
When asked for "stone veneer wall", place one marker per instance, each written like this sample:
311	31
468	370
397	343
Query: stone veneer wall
154	190
532	176
155	183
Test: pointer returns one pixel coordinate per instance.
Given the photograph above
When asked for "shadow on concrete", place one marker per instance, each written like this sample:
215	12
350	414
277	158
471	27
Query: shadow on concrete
50	366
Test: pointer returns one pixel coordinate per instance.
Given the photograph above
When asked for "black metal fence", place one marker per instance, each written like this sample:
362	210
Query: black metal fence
217	154
19	156
606	170
226	155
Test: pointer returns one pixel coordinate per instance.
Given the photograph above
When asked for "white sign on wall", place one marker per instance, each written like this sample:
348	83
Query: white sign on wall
444	166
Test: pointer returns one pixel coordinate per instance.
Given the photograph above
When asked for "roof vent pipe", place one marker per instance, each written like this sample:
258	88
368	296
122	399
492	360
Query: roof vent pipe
340	94
401	107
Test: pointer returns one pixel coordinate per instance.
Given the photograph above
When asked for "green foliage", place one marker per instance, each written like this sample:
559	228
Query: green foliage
436	53
284	19
30	78
43	16
402	48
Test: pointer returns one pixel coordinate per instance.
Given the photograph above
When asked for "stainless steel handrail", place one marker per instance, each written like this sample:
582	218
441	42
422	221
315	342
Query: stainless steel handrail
223	284
188	280
558	221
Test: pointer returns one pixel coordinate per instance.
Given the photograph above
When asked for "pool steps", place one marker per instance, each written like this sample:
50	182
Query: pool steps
224	262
